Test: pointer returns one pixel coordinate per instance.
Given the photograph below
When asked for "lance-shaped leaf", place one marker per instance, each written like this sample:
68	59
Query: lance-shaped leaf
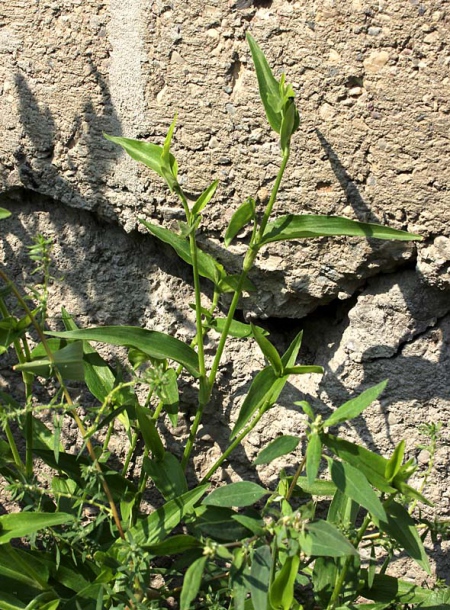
269	351
237	329
266	387
205	198
97	374
260	576
280	446
281	593
207	266
161	522
323	539
155	344
395	461
400	526
146	153
241	493
192	582
371	464
305	226
269	89
149	432
167	474
313	457
68	361
355	406
4	213
18	525
243	215
352	482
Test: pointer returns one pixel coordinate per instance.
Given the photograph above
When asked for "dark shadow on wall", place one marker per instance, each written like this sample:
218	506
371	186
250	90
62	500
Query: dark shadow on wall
92	163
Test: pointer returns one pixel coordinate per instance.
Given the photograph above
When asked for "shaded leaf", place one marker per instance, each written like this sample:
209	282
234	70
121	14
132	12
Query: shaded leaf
242	493
310	225
260	577
68	361
192	582
321	538
149	432
280	446
174	545
355	406
318	488
155	344
168	475
219	523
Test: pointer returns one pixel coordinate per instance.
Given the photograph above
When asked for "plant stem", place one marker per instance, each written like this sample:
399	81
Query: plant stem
273	195
298	472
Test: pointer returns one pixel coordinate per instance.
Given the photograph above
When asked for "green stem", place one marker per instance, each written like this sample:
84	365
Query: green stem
273	195
295	478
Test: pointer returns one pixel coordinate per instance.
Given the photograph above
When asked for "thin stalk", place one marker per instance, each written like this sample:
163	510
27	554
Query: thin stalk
130	452
273	195
298	472
12	445
69	401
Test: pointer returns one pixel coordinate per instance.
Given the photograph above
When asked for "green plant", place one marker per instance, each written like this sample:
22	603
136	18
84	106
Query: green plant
312	542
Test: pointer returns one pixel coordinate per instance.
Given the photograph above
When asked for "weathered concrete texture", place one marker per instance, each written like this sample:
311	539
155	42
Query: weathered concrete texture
372	86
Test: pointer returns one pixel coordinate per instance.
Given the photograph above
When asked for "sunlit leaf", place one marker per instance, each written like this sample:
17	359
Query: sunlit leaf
17	525
313	457
154	528
205	198
155	344
241	217
394	463
207	266
149	432
266	387
355	406
352	482
269	351
4	213
281	592
309	225
268	86
280	446
241	493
